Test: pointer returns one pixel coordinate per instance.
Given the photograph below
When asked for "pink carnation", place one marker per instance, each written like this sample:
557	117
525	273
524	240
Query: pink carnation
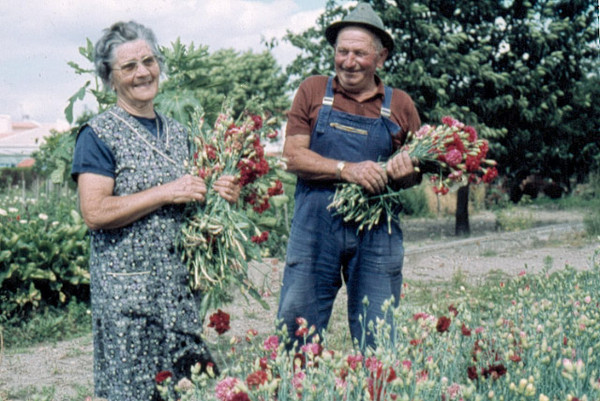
453	157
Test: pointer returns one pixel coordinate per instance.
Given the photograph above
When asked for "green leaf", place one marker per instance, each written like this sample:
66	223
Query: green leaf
79	95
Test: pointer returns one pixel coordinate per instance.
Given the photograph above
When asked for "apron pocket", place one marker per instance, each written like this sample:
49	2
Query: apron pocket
129	293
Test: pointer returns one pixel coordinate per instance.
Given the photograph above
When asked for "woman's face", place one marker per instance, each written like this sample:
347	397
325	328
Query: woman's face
135	75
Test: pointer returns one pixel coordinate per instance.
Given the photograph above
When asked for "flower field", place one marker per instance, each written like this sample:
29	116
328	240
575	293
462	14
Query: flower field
533	337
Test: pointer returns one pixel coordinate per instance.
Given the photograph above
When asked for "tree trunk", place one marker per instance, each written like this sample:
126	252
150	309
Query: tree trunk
462	212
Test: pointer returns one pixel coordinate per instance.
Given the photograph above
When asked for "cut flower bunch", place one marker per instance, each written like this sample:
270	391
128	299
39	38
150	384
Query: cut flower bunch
451	154
219	239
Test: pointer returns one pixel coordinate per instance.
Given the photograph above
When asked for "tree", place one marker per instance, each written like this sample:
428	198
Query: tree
195	80
522	72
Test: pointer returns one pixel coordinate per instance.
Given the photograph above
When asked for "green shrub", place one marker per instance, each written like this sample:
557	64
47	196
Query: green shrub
44	250
414	202
513	219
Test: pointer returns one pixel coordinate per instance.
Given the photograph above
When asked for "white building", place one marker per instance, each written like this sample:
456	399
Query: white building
18	140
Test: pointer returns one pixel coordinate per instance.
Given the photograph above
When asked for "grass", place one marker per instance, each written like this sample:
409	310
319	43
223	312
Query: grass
48	325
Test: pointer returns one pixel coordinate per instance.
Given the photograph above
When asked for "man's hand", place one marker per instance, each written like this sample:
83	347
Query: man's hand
401	170
368	174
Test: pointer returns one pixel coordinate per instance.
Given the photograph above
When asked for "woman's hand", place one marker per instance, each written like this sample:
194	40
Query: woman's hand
187	189
228	187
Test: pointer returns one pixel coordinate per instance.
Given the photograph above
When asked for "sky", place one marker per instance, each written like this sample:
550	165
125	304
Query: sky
39	37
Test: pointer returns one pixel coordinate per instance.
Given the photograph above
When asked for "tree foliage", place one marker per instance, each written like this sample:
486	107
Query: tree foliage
194	80
523	72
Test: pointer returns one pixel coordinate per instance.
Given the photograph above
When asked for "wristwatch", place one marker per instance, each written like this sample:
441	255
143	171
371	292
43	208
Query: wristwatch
338	169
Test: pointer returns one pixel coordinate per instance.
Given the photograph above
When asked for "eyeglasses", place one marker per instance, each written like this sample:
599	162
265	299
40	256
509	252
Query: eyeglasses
130	67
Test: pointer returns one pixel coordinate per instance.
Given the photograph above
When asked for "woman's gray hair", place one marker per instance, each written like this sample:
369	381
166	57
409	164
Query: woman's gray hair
113	37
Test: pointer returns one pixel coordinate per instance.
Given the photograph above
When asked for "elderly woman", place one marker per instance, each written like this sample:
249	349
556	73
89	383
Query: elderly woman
129	167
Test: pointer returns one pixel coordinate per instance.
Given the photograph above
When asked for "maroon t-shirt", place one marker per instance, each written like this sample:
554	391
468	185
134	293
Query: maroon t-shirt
308	100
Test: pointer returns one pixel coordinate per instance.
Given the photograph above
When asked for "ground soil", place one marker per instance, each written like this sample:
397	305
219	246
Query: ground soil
432	254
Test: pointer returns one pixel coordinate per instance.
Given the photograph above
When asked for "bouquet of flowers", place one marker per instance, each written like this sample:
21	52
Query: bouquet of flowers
450	153
219	239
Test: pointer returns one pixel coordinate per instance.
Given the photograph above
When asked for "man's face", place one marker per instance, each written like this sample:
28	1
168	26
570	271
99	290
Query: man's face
357	59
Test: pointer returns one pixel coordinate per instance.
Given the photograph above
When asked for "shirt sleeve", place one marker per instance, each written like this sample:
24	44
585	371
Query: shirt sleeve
92	155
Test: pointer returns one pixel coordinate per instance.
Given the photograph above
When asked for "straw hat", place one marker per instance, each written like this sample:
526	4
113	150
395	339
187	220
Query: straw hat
363	16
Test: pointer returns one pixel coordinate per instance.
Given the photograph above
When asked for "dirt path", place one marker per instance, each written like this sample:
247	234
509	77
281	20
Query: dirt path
432	254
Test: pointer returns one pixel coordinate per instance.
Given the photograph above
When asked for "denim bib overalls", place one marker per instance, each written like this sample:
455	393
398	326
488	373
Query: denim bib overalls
324	252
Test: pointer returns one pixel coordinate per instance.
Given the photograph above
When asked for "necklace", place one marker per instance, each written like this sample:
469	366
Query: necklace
157	128
156	149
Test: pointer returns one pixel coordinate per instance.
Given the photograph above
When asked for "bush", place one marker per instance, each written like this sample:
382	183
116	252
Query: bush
44	250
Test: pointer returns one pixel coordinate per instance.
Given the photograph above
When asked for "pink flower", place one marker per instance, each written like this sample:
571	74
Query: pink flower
226	389
271	343
423	131
354	361
451	122
453	157
312	349
298	379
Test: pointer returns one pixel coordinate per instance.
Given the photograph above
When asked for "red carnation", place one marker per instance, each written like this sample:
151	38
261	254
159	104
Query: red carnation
276	189
241	396
219	321
443	324
472	373
259	239
490	175
162	376
473	163
256	379
258	122
472	133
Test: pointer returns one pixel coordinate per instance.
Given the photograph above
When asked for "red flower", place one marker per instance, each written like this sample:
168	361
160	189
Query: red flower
259	239
443	324
258	122
211	152
256	379
473	163
415	341
465	331
495	371
490	175
472	133
453	310
241	396
219	321
515	358
441	190
472	373
162	376
276	189
302	331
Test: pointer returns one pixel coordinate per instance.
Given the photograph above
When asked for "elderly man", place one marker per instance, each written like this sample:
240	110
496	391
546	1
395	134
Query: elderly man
338	129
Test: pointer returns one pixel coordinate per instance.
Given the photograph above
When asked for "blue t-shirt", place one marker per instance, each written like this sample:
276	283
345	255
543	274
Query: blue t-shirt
91	154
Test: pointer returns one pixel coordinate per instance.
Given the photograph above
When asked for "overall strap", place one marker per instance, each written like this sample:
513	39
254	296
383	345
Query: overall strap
386	111
326	107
